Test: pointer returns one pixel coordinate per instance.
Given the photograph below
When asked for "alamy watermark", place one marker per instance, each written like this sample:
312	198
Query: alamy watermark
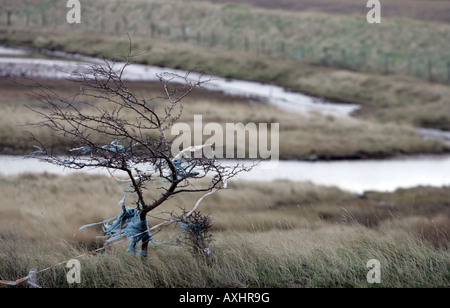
374	14
232	141
74	14
74	273
374	275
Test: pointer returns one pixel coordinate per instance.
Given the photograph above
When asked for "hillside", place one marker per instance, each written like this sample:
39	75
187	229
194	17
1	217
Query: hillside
399	70
425	10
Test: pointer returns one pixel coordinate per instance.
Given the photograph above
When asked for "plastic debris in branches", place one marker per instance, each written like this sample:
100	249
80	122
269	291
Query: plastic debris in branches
128	224
84	150
114	147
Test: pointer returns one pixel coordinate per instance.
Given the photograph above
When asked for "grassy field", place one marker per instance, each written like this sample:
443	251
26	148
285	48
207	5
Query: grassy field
280	234
397	70
302	137
426	10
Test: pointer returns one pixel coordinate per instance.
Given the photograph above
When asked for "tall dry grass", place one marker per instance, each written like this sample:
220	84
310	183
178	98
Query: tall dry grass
335	257
432	11
302	136
387	98
279	234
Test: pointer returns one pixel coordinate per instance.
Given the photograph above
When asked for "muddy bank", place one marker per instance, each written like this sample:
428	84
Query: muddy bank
245	90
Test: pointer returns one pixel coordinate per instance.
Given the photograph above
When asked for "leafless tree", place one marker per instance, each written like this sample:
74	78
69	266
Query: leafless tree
134	133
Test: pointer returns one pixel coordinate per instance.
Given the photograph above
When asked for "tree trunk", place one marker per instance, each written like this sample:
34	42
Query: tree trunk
144	250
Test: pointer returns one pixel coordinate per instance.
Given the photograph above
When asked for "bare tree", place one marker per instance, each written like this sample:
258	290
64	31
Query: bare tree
108	126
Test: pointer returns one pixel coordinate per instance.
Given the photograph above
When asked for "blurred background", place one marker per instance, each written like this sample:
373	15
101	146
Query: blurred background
364	113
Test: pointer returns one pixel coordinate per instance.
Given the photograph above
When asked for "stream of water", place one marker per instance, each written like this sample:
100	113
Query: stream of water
355	176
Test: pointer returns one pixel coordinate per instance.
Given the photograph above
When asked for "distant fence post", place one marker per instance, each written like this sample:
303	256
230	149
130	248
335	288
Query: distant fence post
386	64
213	40
263	46
283	49
117	27
125	24
363	57
43	20
325	56
230	42
247	44
344	58
409	66
185	33
448	72
430	70
152	30
8	18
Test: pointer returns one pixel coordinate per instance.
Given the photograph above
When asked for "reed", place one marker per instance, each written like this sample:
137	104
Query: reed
280	234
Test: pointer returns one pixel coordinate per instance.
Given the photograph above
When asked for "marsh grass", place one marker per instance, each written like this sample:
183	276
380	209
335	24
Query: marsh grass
387	98
288	259
302	136
265	235
279	234
416	10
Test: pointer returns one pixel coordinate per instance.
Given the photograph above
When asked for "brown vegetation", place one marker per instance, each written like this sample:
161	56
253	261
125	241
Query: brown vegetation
301	136
280	234
426	10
